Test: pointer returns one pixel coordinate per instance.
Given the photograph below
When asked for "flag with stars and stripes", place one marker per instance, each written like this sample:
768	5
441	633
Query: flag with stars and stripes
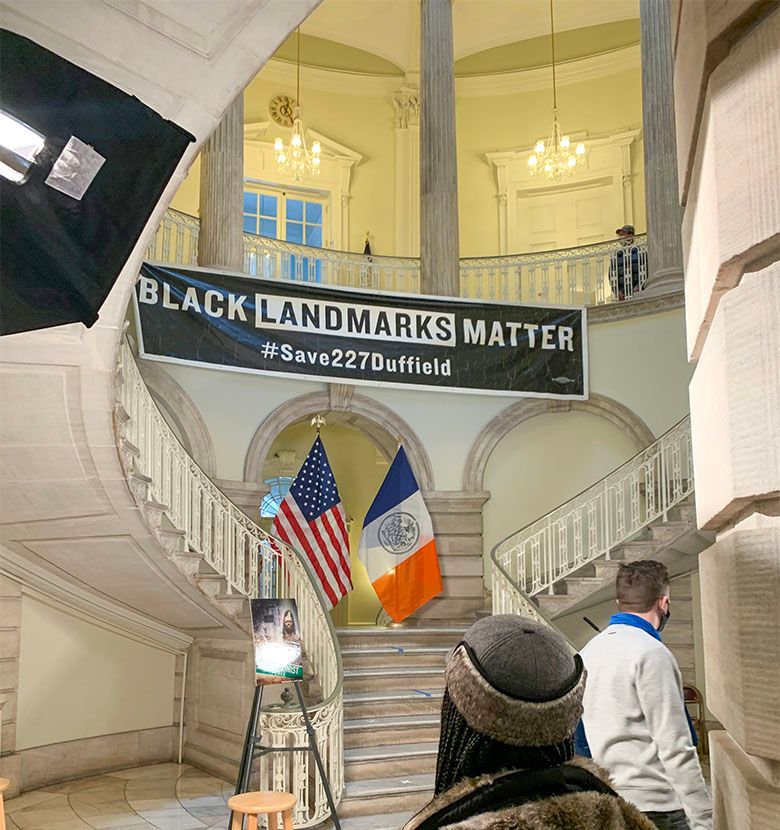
311	519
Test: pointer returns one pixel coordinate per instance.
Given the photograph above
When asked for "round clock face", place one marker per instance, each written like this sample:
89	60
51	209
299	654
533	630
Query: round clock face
281	109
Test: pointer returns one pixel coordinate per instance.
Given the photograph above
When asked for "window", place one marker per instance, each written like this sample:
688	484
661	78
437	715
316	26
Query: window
291	218
272	500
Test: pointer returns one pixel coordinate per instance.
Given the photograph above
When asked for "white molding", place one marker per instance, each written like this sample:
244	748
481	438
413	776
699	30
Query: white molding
334	183
46	586
538	78
514	180
469	86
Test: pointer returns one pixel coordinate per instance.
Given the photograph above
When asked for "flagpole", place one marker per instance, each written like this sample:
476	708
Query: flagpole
318	422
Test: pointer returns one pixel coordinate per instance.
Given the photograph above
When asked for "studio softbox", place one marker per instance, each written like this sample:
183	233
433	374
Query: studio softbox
61	249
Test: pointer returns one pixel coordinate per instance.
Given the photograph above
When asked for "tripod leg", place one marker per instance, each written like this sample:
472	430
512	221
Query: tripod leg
317	758
247	756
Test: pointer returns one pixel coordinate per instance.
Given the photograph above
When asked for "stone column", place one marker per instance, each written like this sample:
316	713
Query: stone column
727	99
220	243
406	104
664	246
439	249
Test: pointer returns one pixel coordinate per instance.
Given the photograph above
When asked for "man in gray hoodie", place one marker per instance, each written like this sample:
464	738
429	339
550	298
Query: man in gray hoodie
634	714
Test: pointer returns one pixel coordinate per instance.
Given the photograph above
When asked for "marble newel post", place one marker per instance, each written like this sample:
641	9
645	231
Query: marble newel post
439	265
220	242
664	245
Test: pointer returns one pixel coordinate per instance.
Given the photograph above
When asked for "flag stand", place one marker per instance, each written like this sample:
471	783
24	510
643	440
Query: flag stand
254	748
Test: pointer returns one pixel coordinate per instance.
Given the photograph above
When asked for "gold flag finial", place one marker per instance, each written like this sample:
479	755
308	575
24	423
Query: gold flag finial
318	422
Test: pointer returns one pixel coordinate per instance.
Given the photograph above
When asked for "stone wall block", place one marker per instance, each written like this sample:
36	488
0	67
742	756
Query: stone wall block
740	583
707	30
742	798
735	402
732	215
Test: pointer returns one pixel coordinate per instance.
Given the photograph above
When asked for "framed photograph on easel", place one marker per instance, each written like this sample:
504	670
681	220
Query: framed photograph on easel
277	640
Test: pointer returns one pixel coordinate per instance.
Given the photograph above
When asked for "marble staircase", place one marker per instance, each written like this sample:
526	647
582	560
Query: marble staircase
393	689
677	543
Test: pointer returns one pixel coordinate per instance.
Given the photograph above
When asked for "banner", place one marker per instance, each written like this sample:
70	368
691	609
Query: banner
297	329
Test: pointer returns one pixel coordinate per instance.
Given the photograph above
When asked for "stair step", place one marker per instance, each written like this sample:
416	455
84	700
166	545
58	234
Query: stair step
383	731
400	655
384	795
632	551
577	586
362	763
666	531
395	703
377	637
386	821
407	677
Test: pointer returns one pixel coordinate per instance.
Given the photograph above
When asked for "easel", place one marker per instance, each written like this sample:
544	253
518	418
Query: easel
253	748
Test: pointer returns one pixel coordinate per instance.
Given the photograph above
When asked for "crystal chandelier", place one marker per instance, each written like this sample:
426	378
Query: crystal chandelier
555	158
297	159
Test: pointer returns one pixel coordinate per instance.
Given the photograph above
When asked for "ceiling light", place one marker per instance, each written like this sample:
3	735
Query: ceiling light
297	158
19	145
555	159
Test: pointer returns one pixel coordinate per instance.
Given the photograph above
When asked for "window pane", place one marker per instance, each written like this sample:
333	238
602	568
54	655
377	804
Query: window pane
314	213
250	224
295	232
268	228
295	210
267	205
250	202
314	235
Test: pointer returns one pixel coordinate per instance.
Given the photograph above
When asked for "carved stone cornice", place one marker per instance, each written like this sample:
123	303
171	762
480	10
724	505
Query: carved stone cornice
635	308
406	105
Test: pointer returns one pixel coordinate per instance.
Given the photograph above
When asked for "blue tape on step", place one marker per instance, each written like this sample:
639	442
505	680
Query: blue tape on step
421	692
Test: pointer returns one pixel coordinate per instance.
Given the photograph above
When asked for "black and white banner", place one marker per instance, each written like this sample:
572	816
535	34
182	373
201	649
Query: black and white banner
295	329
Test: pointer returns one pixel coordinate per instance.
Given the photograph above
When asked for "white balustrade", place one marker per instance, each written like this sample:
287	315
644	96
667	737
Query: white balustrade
591	524
589	275
253	564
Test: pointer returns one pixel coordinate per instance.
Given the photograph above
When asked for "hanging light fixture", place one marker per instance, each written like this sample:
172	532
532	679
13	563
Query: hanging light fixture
297	159
555	158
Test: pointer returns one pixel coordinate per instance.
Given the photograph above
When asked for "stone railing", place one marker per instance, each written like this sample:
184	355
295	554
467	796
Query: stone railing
591	524
253	563
590	275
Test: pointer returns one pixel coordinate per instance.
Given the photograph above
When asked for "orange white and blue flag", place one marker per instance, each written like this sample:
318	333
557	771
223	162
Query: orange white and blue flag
397	545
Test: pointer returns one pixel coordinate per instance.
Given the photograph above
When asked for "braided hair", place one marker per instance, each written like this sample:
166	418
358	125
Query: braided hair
466	753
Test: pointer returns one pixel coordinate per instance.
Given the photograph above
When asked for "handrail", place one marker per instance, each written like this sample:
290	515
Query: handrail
595	274
589	525
254	563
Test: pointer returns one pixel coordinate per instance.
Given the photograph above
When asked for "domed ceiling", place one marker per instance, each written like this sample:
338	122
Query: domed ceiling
381	37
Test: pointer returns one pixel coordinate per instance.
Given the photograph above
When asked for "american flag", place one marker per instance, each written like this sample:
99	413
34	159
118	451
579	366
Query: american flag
311	519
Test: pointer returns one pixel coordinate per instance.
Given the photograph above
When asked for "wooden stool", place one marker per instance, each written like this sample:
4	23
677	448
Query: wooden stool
4	782
268	804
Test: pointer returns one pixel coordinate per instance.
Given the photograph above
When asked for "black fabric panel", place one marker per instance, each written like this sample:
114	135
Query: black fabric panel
59	256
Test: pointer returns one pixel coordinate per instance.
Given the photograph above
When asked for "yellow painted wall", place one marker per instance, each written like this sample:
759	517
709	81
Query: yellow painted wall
78	679
359	471
603	106
484	124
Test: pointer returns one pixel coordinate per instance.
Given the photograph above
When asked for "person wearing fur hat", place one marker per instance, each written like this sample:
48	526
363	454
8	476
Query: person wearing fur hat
512	701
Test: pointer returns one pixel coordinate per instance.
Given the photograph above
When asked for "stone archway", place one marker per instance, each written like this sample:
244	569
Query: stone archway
177	406
384	427
607	408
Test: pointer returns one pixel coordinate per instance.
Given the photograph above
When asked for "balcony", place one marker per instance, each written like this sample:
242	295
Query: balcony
589	275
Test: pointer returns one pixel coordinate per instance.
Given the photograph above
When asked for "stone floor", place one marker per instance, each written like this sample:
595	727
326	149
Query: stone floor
164	796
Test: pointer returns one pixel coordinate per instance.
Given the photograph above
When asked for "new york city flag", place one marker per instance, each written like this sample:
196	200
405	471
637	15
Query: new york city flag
397	545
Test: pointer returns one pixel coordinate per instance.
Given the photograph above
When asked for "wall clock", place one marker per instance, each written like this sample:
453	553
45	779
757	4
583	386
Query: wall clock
281	108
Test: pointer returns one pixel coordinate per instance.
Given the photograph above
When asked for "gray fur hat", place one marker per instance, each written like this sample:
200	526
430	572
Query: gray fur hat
517	681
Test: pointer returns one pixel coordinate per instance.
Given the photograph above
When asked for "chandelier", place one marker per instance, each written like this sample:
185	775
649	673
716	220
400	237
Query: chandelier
555	158
297	159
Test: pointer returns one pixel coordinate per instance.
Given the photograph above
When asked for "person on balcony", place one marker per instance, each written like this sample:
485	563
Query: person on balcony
624	264
634	714
512	700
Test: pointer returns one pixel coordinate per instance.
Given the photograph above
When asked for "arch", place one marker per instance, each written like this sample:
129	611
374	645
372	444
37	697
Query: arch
608	408
375	420
177	406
